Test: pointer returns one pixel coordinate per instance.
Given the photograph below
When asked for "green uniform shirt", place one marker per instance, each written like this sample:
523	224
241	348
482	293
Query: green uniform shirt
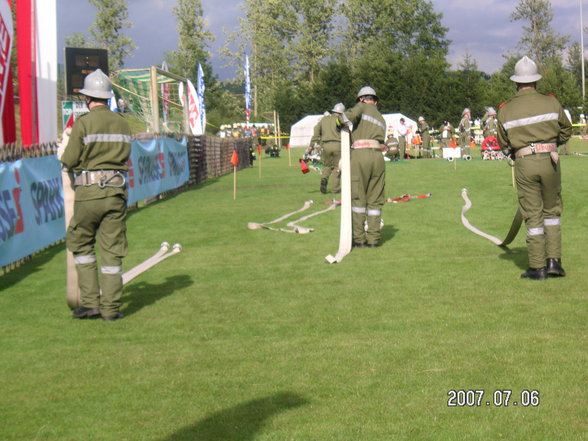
100	140
530	117
368	122
327	130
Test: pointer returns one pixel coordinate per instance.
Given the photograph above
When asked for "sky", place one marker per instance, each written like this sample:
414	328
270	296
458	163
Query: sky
481	28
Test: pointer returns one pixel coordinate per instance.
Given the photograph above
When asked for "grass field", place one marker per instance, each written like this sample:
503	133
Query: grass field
249	335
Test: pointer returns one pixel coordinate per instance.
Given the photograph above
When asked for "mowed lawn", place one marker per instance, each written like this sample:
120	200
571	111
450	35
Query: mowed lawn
250	335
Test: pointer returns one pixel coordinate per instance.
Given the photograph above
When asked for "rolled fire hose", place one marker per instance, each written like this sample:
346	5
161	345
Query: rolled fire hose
512	233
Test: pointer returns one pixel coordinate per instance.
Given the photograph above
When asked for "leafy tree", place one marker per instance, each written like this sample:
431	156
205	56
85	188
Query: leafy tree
111	18
76	39
539	39
193	38
313	32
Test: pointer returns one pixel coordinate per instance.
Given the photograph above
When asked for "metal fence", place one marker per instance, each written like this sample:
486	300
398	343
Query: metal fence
208	157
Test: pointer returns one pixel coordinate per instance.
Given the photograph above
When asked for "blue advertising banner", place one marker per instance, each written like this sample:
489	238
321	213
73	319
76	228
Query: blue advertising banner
31	193
31	207
156	166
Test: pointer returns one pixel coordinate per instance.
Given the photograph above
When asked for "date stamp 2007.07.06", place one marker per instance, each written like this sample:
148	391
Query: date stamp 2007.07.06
496	398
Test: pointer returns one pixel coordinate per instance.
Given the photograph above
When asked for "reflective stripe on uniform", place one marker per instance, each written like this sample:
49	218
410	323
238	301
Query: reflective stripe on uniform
552	222
106	137
531	120
111	269
535	231
374	212
80	260
358	209
373	120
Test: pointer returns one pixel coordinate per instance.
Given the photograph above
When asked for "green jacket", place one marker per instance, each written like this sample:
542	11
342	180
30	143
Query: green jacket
100	140
328	129
368	122
530	117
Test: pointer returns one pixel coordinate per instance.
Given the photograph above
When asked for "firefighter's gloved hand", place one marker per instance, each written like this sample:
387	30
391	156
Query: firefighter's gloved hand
509	153
61	145
346	121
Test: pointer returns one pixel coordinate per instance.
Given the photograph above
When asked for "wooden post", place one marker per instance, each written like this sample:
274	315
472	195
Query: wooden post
154	100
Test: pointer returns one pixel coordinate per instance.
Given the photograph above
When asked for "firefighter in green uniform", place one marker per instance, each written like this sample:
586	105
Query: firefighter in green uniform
531	126
490	123
465	128
424	132
97	154
328	133
368	171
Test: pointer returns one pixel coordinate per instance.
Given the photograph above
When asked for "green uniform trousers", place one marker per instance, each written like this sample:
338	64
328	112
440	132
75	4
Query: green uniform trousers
330	156
538	181
101	220
368	176
402	146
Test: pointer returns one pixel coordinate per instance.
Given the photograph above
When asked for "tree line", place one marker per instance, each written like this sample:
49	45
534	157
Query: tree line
307	55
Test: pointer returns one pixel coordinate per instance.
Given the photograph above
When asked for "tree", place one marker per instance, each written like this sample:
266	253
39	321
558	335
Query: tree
193	38
313	31
111	18
539	39
76	39
405	26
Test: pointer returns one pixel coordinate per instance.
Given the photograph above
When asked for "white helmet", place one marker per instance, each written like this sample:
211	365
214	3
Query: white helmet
525	71
491	111
466	110
421	118
365	91
97	85
338	108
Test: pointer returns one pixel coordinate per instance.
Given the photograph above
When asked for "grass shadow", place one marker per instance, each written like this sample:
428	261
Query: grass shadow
30	265
516	255
240	422
388	233
139	295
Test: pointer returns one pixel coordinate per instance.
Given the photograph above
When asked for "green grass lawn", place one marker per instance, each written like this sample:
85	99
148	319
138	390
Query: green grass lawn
249	335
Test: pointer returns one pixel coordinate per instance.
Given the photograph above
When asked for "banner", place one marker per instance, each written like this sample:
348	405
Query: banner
31	193
156	166
31	207
201	99
247	91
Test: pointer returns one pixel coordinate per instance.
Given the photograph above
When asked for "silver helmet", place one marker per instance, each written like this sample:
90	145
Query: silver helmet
97	85
525	71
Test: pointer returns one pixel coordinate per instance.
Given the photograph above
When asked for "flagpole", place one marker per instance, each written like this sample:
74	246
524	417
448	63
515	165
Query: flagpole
234	182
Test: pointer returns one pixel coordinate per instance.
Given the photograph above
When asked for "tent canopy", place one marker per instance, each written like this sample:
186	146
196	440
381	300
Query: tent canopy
302	131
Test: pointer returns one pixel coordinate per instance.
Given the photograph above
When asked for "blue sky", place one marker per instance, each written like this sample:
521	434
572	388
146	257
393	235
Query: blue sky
480	27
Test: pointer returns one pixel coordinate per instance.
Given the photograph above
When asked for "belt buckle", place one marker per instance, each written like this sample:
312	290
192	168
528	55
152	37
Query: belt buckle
532	147
102	181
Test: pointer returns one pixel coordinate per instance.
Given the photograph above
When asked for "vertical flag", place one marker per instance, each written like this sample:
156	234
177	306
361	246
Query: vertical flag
36	28
6	98
247	91
193	111
165	93
200	90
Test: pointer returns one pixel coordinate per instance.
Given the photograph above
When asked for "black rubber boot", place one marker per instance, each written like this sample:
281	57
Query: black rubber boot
554	268
535	273
82	313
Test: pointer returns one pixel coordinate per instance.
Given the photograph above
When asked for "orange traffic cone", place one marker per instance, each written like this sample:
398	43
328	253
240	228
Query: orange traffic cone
303	167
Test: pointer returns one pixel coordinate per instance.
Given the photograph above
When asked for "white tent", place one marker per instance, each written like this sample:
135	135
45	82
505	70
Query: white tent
302	131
